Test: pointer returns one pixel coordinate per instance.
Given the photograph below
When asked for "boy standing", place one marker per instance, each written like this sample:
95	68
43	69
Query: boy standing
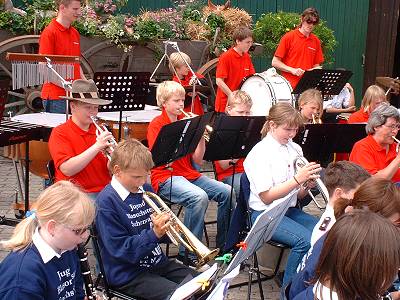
182	182
233	66
129	235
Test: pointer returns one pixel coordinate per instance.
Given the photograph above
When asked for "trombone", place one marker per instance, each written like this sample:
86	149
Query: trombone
208	130
99	130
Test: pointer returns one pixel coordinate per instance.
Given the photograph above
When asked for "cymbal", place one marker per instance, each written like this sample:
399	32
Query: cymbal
199	88
386	82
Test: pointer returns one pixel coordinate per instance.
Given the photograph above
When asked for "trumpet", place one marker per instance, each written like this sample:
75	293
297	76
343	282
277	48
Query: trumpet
99	130
178	233
316	119
208	130
398	143
300	162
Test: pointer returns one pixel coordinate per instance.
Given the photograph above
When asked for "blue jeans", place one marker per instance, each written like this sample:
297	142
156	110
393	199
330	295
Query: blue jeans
194	196
295	231
54	106
236	183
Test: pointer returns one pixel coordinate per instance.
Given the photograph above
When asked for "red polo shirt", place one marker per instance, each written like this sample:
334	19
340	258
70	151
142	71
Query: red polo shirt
372	157
197	107
298	51
360	116
68	140
181	167
58	40
233	68
222	174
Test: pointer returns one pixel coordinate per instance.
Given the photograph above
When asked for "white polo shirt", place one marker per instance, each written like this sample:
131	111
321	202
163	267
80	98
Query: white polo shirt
268	164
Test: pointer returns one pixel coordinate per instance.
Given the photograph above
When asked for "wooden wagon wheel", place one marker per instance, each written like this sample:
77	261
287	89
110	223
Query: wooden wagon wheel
29	97
208	71
125	60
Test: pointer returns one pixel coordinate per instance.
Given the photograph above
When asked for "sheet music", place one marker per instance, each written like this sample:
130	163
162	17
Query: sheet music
193	285
220	291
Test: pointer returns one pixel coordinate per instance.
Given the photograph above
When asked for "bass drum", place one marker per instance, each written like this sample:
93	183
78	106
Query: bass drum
266	89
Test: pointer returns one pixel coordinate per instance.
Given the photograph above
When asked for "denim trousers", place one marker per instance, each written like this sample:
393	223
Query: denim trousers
236	183
194	196
54	106
295	231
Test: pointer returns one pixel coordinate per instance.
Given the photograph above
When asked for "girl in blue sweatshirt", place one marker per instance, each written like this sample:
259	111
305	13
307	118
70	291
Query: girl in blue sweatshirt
43	263
359	259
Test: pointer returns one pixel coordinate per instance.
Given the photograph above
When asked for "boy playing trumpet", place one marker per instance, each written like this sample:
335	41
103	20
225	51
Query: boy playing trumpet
74	146
181	181
129	235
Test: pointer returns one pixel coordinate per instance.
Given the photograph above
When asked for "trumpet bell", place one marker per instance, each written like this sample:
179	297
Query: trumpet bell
178	232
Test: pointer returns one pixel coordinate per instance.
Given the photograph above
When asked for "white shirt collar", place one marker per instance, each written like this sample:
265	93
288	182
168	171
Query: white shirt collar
119	188
326	292
273	142
45	250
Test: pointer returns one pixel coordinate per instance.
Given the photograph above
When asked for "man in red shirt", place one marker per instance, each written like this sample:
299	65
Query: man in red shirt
76	151
60	38
233	66
378	153
299	50
180	180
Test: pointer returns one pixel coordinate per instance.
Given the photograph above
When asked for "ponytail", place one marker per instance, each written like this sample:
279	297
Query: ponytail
22	235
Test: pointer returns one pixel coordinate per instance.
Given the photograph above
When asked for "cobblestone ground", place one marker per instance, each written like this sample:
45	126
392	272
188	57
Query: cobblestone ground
8	188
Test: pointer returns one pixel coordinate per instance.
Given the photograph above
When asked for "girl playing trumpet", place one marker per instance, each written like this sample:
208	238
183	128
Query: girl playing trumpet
310	106
270	169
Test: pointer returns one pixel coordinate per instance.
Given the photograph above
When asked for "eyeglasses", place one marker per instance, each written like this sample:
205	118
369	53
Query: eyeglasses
392	127
78	231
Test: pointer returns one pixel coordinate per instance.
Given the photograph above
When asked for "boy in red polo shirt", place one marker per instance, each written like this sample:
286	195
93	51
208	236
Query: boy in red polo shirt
233	66
60	38
178	65
181	181
239	104
76	151
299	50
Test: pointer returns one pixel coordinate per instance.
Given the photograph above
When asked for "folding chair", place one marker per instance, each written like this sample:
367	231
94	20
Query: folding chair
108	291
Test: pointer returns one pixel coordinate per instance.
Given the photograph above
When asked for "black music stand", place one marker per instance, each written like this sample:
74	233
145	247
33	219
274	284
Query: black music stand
328	82
318	141
232	138
127	90
178	139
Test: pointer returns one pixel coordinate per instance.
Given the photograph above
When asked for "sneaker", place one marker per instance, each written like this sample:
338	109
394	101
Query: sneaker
191	262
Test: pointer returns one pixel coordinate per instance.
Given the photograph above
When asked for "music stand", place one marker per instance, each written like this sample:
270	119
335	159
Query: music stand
318	141
260	233
231	138
127	90
328	82
178	139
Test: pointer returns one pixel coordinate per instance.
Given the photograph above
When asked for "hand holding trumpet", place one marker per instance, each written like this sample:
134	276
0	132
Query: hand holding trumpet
161	224
308	173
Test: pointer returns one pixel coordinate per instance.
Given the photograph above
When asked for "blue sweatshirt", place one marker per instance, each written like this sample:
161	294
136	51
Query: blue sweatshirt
24	275
127	241
299	285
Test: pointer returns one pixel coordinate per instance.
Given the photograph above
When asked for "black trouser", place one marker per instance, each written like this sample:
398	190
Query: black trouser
159	282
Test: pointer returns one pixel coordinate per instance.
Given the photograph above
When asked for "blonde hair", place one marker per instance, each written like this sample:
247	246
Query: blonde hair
372	92
131	154
62	202
177	59
239	97
282	113
166	89
310	96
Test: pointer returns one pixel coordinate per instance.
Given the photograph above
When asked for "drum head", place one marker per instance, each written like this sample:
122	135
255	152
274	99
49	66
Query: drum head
260	93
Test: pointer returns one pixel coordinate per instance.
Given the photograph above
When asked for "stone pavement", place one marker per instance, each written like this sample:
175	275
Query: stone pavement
8	185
